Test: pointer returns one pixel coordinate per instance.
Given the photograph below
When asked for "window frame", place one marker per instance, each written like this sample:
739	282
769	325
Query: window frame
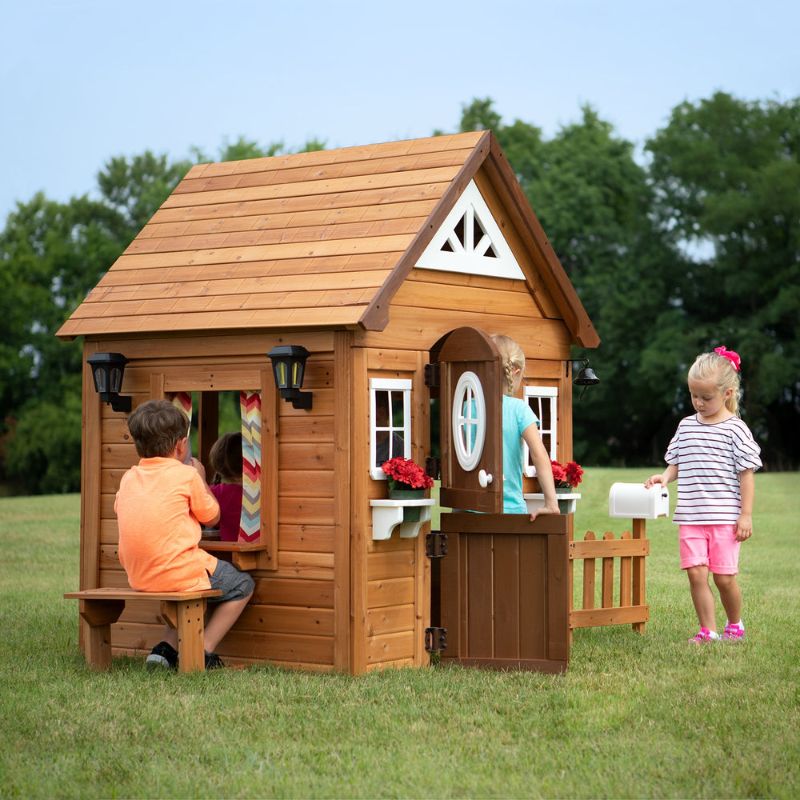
542	393
468	398
258	379
403	385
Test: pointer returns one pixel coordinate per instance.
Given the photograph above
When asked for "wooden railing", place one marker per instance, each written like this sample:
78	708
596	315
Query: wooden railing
629	554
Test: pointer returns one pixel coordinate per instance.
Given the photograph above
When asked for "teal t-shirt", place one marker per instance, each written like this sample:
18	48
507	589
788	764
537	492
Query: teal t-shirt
517	416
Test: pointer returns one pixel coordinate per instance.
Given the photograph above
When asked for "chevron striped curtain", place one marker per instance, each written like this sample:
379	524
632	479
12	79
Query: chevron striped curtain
250	520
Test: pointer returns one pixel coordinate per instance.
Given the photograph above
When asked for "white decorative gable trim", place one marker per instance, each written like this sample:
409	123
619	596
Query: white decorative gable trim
470	241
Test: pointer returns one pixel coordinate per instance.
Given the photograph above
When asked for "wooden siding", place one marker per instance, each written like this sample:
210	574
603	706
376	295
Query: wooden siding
396	591
300	240
418	318
292	618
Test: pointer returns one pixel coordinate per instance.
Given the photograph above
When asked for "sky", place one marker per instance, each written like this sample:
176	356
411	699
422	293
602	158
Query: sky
82	81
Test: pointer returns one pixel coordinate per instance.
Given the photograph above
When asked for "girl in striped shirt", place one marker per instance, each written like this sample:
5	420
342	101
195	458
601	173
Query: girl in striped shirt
715	455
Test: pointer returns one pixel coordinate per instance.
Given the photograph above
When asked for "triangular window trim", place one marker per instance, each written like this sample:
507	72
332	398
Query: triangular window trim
455	247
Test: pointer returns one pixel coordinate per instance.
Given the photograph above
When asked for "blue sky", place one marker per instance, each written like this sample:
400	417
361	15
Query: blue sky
84	80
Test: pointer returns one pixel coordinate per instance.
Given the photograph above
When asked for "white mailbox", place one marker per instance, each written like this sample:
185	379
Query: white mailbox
633	501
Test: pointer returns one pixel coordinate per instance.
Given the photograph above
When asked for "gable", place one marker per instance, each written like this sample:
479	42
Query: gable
470	241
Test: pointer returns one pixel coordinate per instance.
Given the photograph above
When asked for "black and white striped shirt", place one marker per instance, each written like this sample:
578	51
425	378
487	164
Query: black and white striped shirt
709	459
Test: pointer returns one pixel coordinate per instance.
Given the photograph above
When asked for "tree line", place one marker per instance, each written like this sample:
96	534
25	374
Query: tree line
692	244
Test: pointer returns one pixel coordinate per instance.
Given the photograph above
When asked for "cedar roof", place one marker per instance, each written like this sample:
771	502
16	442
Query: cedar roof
307	240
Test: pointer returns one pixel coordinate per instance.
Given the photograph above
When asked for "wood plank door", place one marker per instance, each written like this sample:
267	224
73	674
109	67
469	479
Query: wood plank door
503	589
471	422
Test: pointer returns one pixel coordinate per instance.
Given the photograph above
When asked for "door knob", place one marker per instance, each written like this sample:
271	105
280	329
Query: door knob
484	478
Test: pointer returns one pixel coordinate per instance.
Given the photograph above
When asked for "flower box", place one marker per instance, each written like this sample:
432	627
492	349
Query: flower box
410	515
567	501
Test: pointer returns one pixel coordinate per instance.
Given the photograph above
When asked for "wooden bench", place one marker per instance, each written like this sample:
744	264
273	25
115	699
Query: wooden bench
184	611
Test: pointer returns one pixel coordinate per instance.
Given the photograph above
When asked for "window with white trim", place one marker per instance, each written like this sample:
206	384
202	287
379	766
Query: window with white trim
469	420
389	422
543	401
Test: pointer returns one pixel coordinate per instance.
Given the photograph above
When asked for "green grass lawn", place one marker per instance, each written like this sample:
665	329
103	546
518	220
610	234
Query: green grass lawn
635	716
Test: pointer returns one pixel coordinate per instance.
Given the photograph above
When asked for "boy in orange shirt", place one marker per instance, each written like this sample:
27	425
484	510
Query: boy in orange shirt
160	506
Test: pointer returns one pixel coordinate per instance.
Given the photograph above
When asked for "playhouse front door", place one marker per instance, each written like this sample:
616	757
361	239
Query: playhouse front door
471	422
503	583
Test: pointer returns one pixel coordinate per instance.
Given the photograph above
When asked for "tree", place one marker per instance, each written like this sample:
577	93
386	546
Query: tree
727	172
51	255
44	453
136	187
521	141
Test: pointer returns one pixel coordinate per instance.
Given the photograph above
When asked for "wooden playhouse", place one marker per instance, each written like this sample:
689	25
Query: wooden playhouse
379	261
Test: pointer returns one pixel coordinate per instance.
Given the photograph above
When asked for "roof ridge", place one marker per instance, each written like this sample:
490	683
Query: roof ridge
360	152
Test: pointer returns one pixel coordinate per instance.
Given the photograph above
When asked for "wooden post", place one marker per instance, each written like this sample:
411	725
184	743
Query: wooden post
99	616
607	569
187	617
191	628
91	463
343	442
422	564
270	466
638	573
359	506
625	565
588	575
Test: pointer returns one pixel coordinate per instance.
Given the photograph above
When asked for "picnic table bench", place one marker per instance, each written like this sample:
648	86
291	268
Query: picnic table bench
184	611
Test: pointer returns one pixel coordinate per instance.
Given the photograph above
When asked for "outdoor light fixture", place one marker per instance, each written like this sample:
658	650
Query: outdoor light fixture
288	368
107	371
586	376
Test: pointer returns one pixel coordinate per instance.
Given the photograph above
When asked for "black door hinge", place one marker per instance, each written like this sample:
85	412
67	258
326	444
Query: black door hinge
433	467
436	544
432	375
435	640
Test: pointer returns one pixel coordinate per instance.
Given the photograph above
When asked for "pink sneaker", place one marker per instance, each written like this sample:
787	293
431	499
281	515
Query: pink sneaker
704	636
733	633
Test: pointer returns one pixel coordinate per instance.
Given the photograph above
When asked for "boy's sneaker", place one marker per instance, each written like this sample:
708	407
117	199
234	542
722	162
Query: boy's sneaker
703	636
162	655
733	633
213	661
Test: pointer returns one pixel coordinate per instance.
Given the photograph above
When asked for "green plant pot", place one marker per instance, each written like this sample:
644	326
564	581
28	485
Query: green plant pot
565	506
410	513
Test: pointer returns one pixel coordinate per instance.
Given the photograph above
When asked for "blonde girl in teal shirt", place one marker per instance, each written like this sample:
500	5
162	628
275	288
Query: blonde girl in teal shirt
520	423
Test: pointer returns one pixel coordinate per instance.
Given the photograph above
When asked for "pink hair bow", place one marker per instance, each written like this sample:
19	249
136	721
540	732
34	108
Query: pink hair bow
730	355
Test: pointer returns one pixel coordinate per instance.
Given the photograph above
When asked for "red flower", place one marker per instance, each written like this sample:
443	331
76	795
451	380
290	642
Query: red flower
568	475
405	471
559	473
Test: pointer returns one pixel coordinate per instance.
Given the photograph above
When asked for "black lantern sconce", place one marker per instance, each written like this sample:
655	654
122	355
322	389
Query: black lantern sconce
288	369
586	376
107	371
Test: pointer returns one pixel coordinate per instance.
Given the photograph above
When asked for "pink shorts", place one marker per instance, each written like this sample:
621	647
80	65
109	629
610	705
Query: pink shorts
712	546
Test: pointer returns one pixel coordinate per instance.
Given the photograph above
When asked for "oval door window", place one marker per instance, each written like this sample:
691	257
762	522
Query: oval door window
469	420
